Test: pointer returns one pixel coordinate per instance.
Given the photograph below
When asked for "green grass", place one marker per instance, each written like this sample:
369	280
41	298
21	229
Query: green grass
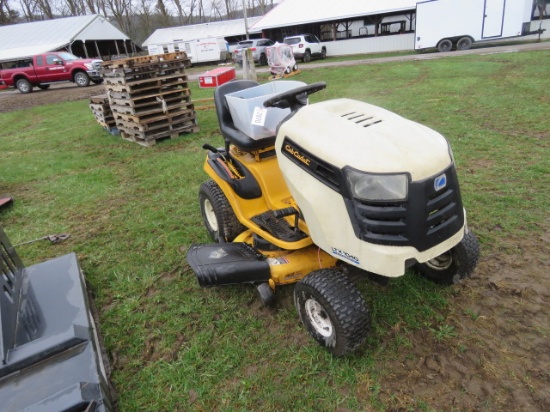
132	212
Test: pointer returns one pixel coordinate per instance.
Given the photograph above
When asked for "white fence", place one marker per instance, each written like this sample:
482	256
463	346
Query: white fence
399	42
364	45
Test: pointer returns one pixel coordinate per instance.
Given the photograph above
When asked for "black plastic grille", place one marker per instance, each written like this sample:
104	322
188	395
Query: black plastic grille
426	218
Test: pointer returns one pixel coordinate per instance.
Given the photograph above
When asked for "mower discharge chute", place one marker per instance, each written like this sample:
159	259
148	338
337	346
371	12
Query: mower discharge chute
342	184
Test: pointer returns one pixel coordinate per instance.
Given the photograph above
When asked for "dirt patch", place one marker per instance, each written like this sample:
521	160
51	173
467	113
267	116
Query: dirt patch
12	100
497	357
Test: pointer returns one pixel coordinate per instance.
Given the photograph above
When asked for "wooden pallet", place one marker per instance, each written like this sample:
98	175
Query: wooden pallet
150	139
149	85
143	61
136	97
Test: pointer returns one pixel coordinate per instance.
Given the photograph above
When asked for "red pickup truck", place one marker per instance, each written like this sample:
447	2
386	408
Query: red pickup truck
43	69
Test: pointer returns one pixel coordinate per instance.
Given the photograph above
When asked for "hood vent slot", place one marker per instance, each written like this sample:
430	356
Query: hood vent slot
361	119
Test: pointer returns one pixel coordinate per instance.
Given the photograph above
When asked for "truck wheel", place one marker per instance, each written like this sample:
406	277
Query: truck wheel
43	86
323	53
307	56
464	43
445	45
24	86
217	214
332	310
456	264
81	79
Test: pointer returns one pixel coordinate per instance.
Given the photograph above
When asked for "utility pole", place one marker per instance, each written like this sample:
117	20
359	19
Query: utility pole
245	21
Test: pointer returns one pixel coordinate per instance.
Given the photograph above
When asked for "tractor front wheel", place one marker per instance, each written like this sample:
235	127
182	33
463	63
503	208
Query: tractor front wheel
217	214
333	311
454	265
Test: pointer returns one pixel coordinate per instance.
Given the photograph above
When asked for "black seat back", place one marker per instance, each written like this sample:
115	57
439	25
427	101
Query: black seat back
227	127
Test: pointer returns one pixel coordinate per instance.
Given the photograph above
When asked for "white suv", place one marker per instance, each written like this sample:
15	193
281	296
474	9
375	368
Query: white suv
306	46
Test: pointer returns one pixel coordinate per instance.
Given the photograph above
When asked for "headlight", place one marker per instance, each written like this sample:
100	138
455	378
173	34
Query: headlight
373	187
89	66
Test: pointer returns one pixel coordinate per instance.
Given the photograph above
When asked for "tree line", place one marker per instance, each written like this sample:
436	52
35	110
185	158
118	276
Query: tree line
136	18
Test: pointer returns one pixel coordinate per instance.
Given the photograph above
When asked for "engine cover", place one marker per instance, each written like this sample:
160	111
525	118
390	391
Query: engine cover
321	140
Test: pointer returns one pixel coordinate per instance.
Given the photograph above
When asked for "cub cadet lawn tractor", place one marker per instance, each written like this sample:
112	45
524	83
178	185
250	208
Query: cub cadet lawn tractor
342	184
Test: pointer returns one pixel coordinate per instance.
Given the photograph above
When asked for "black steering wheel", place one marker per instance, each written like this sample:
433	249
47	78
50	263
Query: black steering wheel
295	98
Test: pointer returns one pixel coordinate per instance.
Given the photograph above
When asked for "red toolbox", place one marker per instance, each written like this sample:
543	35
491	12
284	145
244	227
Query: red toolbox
217	77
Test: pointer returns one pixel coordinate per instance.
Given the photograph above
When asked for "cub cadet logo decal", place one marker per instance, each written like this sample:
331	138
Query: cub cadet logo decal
345	255
297	154
440	182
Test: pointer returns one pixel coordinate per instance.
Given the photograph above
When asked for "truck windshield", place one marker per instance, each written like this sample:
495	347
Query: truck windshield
67	56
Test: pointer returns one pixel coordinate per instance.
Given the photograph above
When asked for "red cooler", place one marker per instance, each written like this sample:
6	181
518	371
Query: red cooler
216	77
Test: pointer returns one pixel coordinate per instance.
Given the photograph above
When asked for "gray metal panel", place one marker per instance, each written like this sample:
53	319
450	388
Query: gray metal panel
11	268
52	358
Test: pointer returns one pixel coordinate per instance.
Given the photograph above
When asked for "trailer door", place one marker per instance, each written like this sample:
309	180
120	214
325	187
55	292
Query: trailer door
493	18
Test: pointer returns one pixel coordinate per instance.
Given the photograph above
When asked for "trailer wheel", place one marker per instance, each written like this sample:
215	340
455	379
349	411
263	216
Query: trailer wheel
81	79
454	265
43	86
217	214
445	45
464	43
332	310
24	86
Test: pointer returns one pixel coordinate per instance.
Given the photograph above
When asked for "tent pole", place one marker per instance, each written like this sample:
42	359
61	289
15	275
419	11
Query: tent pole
117	50
85	49
125	48
97	50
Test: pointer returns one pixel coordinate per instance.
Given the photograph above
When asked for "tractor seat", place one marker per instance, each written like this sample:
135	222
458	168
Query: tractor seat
229	131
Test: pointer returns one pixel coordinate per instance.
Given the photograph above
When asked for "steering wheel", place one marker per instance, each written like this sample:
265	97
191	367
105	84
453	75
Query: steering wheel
295	98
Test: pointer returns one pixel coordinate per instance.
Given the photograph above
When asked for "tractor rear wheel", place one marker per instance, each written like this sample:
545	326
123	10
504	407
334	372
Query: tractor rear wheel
454	265
333	311
217	214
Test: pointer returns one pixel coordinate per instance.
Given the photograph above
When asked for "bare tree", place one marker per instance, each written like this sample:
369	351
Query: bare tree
181	11
164	16
45	8
7	14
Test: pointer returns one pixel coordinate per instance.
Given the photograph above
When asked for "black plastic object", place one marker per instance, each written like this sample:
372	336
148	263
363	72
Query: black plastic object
245	188
51	355
277	227
227	263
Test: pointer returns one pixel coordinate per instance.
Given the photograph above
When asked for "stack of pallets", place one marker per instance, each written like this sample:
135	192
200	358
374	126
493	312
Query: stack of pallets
149	97
102	111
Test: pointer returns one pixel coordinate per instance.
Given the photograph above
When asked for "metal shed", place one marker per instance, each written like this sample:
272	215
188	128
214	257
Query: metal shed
84	36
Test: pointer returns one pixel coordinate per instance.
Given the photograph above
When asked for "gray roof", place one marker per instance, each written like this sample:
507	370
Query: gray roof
295	12
225	28
27	39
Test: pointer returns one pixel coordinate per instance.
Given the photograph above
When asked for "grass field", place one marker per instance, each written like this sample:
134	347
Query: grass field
133	211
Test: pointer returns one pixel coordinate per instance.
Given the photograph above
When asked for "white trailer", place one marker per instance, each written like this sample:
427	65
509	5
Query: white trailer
448	24
210	49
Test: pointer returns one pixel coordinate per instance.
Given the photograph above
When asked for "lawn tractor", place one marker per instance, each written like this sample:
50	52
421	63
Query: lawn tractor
334	188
